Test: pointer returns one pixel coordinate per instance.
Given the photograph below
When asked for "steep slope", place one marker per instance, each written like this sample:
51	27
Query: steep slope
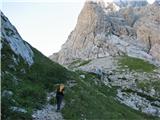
105	29
27	75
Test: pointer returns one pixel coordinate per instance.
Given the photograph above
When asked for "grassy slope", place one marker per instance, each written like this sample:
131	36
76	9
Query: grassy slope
78	63
29	90
139	65
136	64
89	101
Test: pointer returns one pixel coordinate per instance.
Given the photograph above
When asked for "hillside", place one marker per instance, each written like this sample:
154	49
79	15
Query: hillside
91	99
26	75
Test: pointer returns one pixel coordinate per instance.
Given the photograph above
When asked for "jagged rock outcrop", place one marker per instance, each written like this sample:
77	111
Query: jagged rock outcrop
106	29
9	35
148	26
155	51
130	3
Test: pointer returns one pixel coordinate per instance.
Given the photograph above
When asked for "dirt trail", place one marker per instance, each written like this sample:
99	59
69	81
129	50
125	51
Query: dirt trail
49	111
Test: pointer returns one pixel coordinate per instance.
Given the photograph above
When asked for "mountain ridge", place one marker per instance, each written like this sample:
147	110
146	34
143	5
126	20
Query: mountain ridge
98	27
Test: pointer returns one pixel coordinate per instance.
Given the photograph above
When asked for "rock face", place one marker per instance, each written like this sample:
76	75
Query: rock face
131	3
10	35
148	26
155	51
112	29
138	103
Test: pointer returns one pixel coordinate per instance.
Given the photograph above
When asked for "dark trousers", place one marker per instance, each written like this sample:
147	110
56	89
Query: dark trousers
59	101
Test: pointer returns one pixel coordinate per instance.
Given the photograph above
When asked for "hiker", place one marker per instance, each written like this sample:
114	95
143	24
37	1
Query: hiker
59	96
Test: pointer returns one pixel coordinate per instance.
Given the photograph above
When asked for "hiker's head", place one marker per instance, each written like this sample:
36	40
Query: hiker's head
61	87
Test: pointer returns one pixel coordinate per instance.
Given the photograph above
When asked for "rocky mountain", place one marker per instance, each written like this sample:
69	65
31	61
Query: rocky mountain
119	43
106	29
131	3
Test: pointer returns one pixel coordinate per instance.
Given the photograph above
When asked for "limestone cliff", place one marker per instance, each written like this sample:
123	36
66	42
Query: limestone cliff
110	29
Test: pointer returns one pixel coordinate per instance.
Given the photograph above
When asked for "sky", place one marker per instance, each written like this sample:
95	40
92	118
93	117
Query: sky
45	24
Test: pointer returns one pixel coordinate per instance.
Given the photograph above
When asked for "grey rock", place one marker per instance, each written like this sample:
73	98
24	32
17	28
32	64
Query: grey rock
48	112
138	103
82	76
102	31
18	109
7	93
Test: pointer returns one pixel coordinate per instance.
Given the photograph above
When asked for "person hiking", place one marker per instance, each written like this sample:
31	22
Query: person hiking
59	96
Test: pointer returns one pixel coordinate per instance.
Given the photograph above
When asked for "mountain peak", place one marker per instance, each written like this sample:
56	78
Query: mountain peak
121	3
102	30
106	5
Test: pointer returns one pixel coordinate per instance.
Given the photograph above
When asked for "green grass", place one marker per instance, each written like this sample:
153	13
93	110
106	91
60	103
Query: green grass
156	85
148	85
89	101
136	64
30	88
84	63
144	86
78	63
